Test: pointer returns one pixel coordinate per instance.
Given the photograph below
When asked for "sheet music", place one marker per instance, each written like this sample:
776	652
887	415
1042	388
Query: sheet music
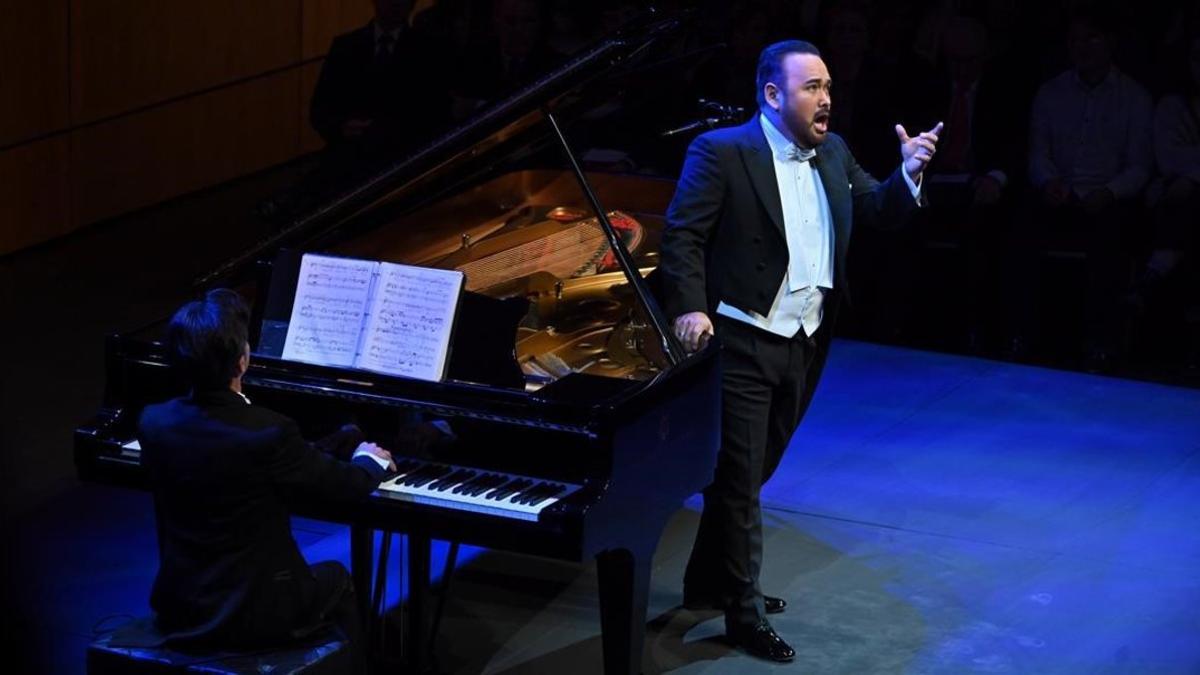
327	314
408	331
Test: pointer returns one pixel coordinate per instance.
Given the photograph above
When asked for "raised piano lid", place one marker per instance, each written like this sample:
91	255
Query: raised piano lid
507	133
467	201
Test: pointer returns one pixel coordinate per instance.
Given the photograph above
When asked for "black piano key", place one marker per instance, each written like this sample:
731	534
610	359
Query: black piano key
416	473
468	487
404	466
455	478
492	494
523	496
515	485
539	493
426	474
514	488
433	485
487	483
552	490
425	479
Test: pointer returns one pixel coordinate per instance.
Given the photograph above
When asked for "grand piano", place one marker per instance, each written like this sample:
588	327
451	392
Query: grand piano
570	423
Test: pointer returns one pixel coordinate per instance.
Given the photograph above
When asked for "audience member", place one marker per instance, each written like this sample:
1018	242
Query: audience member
380	91
1090	157
1176	245
511	53
971	177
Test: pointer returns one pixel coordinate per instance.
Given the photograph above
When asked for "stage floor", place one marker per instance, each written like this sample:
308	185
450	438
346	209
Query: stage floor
934	514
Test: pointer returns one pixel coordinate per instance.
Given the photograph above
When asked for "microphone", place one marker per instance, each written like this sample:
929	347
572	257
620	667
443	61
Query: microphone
716	113
731	112
707	123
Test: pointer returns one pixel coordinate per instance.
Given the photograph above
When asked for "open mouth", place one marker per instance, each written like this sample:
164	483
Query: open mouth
821	122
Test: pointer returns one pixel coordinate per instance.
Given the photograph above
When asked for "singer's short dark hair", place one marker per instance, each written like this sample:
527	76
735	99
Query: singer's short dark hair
770	63
206	338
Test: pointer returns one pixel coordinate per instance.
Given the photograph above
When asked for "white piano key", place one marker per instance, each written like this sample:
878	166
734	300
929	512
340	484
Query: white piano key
394	488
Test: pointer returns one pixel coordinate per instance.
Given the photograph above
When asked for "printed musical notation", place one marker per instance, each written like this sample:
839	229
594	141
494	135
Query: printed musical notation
327	314
394	319
408	332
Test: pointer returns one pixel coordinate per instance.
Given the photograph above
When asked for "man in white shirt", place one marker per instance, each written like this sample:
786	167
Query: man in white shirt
1090	156
756	239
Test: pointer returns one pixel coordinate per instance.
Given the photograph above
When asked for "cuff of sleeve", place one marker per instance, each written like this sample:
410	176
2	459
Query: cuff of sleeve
914	188
379	462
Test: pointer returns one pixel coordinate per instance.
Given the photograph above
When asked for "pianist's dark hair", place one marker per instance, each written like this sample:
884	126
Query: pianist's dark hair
770	63
206	337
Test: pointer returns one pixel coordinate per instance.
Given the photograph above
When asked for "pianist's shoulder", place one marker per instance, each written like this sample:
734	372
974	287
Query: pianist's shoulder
211	411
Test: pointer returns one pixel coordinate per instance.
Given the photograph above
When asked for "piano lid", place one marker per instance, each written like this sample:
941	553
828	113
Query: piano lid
509	131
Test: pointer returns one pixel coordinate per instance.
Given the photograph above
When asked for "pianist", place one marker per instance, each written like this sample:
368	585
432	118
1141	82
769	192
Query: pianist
230	574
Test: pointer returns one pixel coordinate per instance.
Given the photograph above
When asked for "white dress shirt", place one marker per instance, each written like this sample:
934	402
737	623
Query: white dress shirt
808	225
1091	136
387	43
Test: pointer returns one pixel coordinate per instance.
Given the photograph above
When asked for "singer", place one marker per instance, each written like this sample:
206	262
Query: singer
755	255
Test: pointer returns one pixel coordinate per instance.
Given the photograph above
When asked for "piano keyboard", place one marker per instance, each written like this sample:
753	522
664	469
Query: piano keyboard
466	489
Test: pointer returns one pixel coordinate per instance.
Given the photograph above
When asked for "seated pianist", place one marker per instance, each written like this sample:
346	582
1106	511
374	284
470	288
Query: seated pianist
230	574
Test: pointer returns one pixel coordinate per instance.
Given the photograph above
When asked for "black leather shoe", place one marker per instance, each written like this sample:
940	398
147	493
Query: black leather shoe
763	642
697	603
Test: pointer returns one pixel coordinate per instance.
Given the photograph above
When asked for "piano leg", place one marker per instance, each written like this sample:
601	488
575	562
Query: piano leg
624	590
417	647
362	544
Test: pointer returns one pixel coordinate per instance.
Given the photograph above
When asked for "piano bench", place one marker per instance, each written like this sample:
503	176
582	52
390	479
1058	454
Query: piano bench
324	654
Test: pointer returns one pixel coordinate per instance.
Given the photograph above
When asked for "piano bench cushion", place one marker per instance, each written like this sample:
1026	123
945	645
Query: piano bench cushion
325	653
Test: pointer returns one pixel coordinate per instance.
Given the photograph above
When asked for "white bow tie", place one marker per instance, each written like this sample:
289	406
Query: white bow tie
800	154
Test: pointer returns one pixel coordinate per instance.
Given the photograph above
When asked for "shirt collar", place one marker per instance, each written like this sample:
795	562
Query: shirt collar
394	33
219	397
781	148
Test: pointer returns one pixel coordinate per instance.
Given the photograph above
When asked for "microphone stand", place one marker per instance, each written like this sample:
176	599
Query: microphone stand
720	114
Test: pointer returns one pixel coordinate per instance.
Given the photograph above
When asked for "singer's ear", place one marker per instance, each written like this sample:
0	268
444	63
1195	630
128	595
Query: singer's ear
771	95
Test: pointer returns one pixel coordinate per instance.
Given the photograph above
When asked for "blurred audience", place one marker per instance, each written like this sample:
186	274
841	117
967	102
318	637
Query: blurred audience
1092	177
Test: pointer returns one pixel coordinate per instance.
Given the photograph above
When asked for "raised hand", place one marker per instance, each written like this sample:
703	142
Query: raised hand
917	151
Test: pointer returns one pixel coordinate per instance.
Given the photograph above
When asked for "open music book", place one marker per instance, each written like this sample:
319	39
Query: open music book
379	316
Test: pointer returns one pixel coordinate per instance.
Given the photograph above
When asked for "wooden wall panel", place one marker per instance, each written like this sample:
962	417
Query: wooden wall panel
130	53
34	203
33	68
141	159
326	19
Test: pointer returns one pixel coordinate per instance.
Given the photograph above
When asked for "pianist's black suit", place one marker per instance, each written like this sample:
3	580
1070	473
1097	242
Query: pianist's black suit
725	241
229	570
